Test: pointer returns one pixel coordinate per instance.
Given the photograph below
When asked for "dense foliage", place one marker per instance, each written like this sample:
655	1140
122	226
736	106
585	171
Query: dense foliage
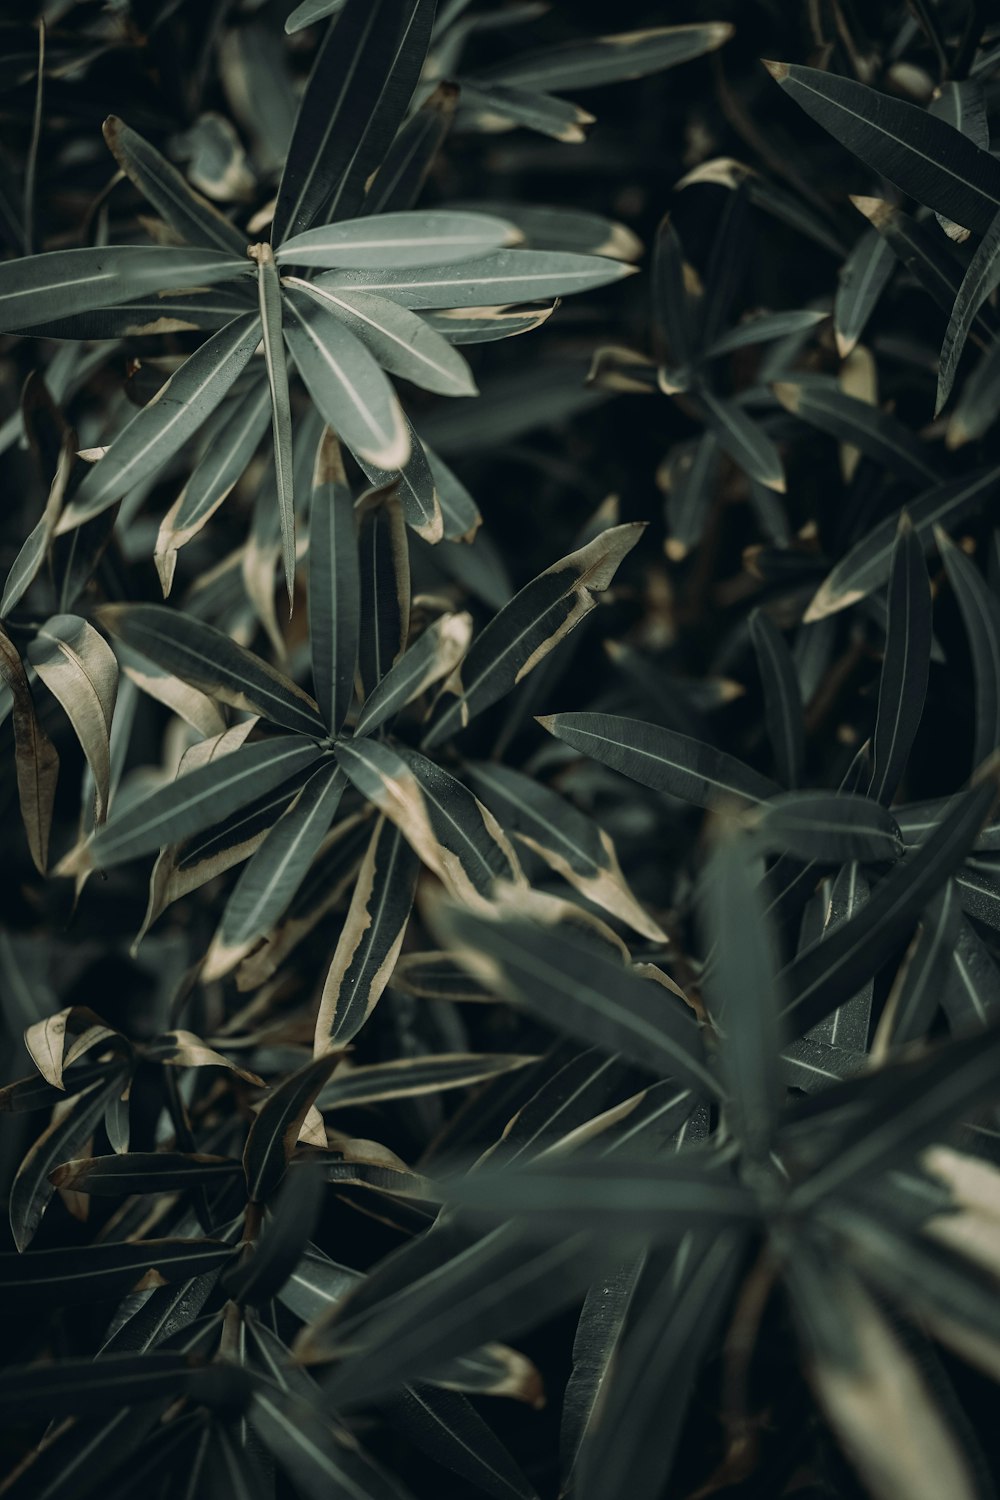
500	704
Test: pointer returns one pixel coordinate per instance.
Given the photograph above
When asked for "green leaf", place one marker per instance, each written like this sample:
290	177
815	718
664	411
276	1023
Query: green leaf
394	240
275	1130
414	488
210	660
743	994
322	1459
267	1262
384	557
877	434
979	282
449	1429
523	633
271	301
42	288
79	668
573	984
861	281
831	827
36	762
568	840
351	393
311	11
66	1278
274	872
192	216
596	1351
352	67
433	655
489	281
980	610
175	311
334	584
31	1190
202	798
662	759
88	1385
500	1285
924	973
831	970
923	155
763	328
370	938
868	564
906	664
608	1195
161	428
676	303
219	469
27	564
142	1172
782	698
411	1077
747	444
484	103
402	341
610	59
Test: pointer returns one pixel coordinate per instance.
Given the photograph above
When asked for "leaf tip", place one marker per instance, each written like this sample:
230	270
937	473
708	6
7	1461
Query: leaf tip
778	70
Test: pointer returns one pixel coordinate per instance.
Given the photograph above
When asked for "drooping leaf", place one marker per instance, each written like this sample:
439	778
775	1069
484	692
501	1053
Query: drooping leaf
36	762
79	668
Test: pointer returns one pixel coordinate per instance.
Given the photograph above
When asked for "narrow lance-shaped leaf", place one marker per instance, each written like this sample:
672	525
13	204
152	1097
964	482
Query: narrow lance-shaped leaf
351	65
980	611
527	629
218	471
269	293
506	276
350	391
319	1456
32	1189
433	655
662	759
334	584
979	283
409	159
826	826
193	216
210	660
867	565
60	283
609	59
36	763
923	975
746	442
275	871
782	698
392	240
491	105
275	1131
446	1426
384	563
743	993
675	297
370	938
69	1277
923	155
157	431
863	277
571	983
410	1077
401	340
142	1172
26	565
905	666
568	840
881	436
79	668
834	968
203	797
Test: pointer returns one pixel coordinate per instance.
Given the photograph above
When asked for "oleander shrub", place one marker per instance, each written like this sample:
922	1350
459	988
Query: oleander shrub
500	707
